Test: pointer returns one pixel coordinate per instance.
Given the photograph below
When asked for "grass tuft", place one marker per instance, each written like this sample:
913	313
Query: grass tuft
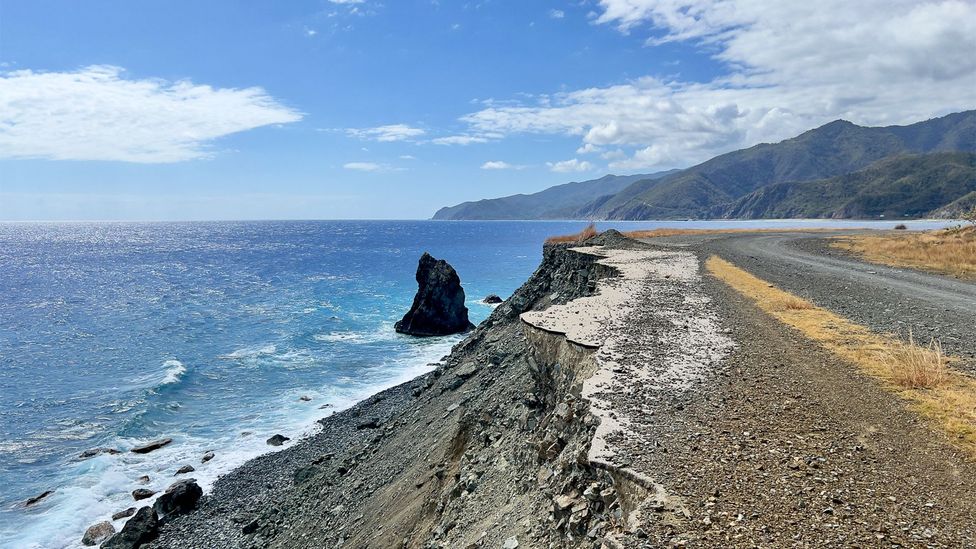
578	238
913	366
792	303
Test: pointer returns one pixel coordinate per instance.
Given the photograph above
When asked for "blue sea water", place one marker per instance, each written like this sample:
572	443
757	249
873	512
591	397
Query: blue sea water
115	334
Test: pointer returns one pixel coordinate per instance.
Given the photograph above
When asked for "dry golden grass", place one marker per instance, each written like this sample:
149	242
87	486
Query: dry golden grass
658	233
920	375
916	367
792	303
948	251
586	234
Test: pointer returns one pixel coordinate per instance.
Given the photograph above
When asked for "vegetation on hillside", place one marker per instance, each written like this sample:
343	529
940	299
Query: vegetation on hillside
902	186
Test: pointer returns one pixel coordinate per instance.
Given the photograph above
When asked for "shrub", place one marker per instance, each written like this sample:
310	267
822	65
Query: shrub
582	236
969	216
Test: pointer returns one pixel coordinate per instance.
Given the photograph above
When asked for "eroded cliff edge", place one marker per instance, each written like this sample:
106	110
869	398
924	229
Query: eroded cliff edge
530	434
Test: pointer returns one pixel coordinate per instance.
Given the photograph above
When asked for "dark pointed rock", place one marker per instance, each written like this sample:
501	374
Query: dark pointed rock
154	445
185	469
207	456
438	308
138	531
492	299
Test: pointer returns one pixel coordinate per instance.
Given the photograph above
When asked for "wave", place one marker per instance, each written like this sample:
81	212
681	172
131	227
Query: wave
174	372
91	490
249	352
384	332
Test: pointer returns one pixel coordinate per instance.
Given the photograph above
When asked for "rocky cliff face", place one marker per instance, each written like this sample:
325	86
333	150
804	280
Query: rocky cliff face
438	308
491	449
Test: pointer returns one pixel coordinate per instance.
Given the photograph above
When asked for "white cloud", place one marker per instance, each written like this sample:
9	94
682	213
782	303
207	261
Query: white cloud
588	148
370	167
407	157
391	132
789	66
310	32
363	166
557	14
571	165
459	140
95	113
346	1
501	165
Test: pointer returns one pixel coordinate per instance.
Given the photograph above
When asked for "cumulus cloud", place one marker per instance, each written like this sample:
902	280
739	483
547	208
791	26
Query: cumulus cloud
789	66
459	140
571	165
500	165
391	132
95	113
556	14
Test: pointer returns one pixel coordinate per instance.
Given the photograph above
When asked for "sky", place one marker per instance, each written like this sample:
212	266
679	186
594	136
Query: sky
362	109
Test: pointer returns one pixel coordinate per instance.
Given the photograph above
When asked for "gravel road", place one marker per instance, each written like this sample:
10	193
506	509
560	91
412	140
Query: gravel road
886	299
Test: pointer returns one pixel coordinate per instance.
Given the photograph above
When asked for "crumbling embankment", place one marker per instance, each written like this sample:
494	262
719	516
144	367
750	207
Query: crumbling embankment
528	434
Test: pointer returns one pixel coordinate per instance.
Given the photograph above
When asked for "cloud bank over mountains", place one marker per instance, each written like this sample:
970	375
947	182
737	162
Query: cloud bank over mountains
790	66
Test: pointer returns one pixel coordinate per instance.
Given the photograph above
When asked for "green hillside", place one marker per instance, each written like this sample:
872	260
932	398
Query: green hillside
902	186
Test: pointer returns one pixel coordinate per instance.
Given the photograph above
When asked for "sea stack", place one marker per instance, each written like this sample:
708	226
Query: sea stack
438	308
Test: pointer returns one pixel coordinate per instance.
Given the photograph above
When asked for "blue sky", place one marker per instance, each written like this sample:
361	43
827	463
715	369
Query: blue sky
363	109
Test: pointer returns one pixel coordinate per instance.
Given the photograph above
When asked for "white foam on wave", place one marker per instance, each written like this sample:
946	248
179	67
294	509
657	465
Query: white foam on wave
92	490
383	332
174	372
249	352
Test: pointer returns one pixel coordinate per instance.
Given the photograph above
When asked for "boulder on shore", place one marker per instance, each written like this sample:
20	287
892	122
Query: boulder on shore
178	499
438	308
277	440
138	531
97	533
124	513
142	493
185	469
154	445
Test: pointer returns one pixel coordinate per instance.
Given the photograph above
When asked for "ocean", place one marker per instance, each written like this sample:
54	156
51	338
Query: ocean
218	335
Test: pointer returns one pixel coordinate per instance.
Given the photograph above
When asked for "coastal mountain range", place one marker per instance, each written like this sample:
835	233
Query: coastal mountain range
839	170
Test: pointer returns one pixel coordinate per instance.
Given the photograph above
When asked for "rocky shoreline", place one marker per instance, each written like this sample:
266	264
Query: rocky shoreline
603	405
412	465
